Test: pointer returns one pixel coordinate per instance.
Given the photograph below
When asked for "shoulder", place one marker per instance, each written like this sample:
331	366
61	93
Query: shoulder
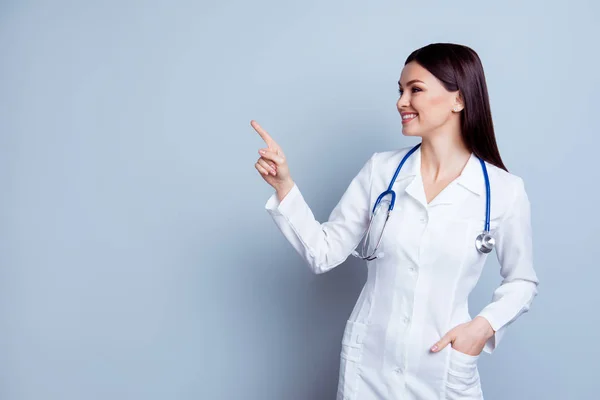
394	153
389	156
508	190
504	180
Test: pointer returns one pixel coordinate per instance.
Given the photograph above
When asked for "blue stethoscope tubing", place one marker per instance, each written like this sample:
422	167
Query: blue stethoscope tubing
484	241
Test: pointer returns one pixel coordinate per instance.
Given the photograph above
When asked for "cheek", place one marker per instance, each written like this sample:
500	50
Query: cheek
433	108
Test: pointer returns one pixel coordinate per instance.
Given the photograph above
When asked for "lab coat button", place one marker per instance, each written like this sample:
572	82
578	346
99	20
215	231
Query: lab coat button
406	319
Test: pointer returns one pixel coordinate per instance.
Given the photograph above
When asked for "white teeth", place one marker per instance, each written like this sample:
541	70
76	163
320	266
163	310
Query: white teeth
408	116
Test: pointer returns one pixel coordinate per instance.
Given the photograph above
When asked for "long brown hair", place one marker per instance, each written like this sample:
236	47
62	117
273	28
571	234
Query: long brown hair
458	67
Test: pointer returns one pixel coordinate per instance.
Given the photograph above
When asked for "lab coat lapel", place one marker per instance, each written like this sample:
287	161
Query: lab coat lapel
469	182
412	170
471	177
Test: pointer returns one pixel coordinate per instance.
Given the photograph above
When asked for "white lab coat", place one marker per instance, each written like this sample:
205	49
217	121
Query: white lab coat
418	291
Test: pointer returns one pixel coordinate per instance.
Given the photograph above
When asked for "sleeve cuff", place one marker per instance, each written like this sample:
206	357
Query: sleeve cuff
492	342
276	207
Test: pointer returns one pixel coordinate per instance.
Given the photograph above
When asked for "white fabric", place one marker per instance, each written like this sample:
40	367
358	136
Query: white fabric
419	290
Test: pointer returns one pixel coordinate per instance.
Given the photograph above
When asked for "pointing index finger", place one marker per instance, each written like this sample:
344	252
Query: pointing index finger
264	135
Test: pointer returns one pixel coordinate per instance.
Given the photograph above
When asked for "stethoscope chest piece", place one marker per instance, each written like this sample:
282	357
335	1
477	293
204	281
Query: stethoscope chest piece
485	242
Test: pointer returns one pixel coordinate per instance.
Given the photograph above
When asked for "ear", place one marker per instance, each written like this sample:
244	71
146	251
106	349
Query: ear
458	104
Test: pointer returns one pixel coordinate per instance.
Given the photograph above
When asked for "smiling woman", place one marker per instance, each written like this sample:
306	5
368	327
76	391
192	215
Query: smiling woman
410	334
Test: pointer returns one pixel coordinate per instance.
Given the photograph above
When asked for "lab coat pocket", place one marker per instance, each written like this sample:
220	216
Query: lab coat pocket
463	377
350	357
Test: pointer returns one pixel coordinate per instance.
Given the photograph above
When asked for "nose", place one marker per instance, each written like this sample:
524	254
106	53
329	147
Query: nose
403	101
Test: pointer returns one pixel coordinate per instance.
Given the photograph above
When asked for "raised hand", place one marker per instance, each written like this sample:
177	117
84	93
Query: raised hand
272	163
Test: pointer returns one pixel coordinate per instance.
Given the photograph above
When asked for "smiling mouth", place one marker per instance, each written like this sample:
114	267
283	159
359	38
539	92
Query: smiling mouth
408	117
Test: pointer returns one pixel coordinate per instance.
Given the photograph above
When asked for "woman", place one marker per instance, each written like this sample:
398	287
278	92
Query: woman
410	334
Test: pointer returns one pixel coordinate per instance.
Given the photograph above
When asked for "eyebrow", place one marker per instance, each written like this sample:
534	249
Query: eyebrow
408	83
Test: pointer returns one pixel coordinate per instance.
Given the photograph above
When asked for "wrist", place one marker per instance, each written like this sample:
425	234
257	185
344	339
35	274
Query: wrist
485	326
284	189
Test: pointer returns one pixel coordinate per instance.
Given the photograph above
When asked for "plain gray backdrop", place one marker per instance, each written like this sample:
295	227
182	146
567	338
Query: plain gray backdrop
136	258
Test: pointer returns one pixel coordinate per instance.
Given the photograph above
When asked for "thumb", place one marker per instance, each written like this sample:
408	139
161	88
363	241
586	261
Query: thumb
443	342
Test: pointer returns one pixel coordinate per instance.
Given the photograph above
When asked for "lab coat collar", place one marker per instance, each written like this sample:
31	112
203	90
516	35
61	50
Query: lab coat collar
471	179
472	176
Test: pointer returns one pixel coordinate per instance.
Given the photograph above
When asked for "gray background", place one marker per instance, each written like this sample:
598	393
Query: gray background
137	260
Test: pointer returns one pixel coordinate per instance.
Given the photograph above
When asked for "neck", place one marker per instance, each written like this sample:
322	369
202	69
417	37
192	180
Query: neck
443	157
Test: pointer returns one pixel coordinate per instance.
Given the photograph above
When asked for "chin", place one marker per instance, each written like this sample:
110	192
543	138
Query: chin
409	133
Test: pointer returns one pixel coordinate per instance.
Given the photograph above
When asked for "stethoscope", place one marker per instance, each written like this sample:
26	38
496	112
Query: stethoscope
484	242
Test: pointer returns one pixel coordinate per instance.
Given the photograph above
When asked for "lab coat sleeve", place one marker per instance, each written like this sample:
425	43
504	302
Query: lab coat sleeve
325	245
514	251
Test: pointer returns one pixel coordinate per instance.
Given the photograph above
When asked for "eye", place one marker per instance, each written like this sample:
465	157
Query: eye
414	89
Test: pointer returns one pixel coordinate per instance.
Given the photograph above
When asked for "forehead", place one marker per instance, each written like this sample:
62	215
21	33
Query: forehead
411	71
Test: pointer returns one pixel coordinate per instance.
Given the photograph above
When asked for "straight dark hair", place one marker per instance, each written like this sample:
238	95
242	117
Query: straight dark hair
458	67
